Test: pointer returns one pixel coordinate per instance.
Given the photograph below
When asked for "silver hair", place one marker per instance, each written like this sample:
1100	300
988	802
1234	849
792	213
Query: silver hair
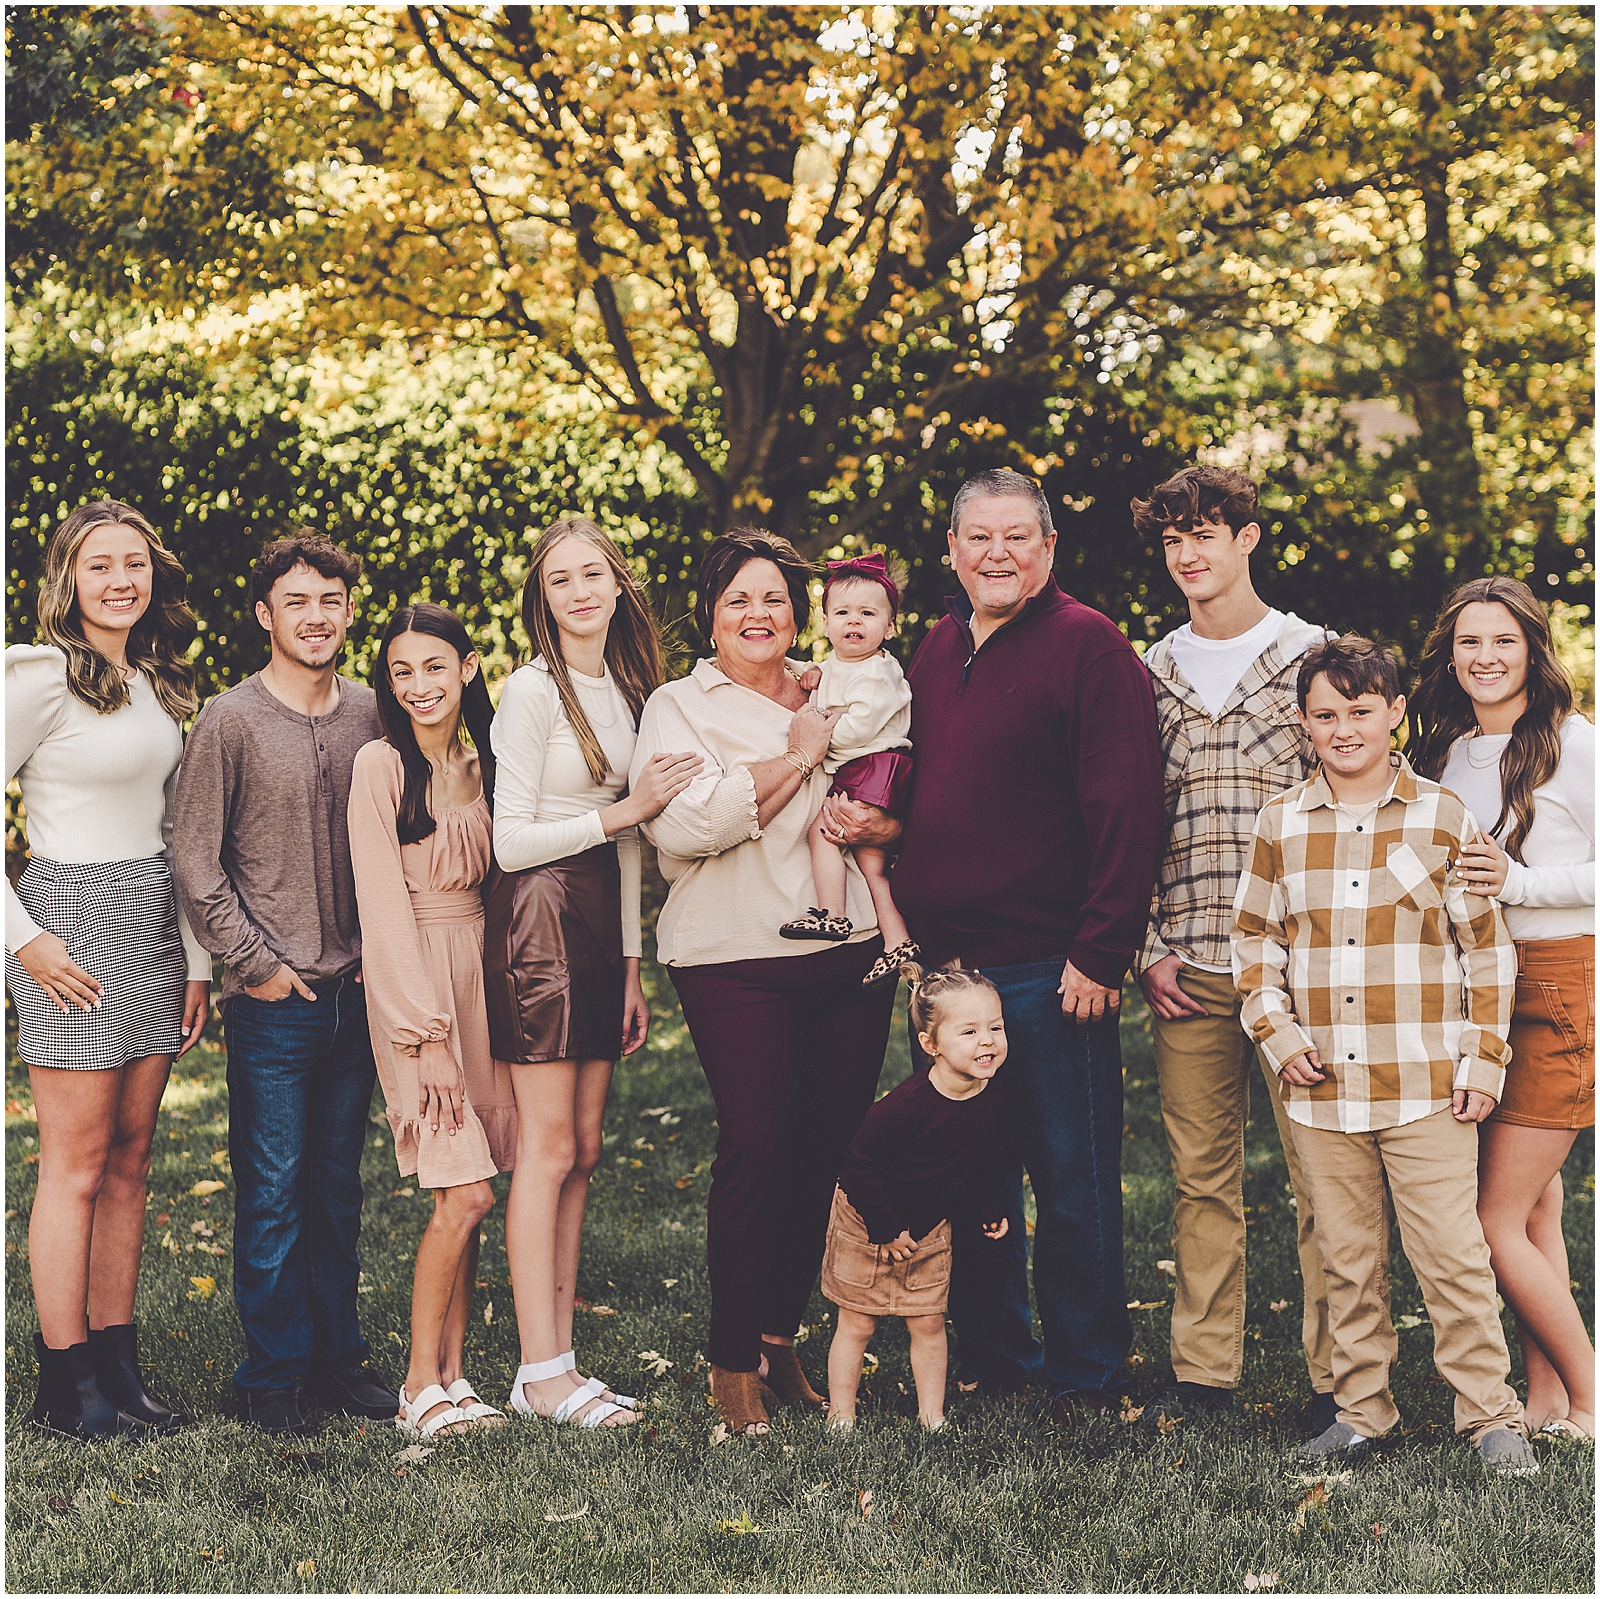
1003	481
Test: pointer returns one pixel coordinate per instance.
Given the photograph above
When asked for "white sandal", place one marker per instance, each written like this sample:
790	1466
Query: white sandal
541	1371
626	1401
460	1392
412	1411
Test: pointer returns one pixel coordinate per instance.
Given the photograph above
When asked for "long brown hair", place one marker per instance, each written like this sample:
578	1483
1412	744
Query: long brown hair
415	819
157	643
633	647
1442	711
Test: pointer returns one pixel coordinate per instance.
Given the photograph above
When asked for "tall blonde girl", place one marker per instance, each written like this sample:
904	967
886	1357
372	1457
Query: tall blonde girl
562	939
109	984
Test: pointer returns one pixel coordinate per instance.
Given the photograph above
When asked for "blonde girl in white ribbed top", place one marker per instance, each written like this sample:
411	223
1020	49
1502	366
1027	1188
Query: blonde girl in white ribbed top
562	1005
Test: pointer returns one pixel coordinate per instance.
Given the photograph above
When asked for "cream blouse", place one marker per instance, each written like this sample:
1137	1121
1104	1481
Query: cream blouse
732	883
546	804
97	788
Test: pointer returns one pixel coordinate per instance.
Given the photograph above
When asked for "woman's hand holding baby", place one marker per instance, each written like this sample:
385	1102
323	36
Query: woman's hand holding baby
810	730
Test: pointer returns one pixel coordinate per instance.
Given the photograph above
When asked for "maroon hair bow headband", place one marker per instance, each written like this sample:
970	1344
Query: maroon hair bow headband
874	568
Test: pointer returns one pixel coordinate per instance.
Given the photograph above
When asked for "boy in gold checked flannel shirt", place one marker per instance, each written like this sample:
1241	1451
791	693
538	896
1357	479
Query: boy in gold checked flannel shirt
1381	995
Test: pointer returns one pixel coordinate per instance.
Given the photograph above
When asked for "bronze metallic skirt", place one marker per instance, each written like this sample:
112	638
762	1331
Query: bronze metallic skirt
552	955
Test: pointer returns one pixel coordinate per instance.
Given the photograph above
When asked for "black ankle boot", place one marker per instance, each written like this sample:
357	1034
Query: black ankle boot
116	1369
69	1398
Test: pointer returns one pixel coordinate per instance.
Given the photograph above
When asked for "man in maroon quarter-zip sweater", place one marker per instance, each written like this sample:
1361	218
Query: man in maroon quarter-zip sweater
1029	851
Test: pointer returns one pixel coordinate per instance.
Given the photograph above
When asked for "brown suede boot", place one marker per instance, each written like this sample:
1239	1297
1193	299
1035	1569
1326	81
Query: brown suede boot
738	1399
786	1377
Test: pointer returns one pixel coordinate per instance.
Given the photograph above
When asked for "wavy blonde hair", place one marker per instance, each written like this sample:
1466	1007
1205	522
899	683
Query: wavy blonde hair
633	646
157	643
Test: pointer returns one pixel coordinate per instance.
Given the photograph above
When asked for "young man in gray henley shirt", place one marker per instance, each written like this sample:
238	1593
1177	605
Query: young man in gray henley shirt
261	855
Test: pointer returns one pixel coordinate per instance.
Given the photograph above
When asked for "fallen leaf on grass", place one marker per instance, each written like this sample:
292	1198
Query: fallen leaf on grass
117	1499
1377	1529
869	1363
1147	1304
402	1193
669	1282
1167	1425
204	1287
1267	1579
719	1434
1279	1306
966	1387
571	1515
866	1503
208	1185
1316	1497
163	1219
1329	1479
15	1107
1404	1323
601	1310
414	1455
1170	1267
743	1524
1132	1414
656	1361
306	1570
201	1228
61	1504
488	1314
683	1182
656	1110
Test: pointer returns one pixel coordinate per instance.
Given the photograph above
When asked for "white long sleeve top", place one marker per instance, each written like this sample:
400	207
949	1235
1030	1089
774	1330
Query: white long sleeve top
876	701
97	788
546	803
1550	893
731	882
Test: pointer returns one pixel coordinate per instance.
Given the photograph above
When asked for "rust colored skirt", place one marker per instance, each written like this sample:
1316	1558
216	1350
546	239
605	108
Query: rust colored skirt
1550	1081
552	955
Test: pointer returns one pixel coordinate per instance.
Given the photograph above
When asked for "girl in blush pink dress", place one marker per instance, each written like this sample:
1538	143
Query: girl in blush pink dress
421	845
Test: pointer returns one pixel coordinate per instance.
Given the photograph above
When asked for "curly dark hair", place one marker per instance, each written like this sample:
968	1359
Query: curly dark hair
1198	494
305	546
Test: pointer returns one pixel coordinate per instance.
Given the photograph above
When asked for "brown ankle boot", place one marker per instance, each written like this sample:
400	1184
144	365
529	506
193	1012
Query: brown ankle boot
738	1400
786	1377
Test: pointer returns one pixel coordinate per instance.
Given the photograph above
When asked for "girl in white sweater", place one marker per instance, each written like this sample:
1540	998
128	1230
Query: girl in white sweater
867	755
109	984
1494	722
561	937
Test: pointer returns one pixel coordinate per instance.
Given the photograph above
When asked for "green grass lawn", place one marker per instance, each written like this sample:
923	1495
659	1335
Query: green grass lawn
1002	1501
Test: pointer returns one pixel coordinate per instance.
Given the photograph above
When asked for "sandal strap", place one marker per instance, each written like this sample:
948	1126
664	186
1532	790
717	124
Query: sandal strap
462	1393
540	1371
580	1397
627	1401
599	1415
569	1361
431	1398
441	1419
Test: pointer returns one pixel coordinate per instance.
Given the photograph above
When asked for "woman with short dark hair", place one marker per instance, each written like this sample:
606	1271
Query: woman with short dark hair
109	983
789	1040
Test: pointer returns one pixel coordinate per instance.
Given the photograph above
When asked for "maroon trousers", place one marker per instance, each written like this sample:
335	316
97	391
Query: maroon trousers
792	1047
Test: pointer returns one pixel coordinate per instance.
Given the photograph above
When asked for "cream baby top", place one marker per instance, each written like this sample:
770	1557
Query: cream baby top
876	701
546	804
97	788
731	882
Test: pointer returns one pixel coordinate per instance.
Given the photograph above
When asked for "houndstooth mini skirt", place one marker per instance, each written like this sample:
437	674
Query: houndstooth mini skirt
119	921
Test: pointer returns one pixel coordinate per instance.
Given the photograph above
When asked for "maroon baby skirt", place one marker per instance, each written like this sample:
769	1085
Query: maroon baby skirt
883	780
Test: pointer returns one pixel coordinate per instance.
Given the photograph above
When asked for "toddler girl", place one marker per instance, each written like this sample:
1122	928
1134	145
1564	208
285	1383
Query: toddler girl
866	757
919	1161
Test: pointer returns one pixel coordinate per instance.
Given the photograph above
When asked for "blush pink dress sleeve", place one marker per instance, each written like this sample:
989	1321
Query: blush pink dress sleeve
421	910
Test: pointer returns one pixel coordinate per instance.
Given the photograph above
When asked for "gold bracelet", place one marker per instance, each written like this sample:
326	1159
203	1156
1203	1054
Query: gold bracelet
797	759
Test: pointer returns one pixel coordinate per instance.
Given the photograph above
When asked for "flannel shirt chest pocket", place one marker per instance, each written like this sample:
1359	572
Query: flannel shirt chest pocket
1417	874
1271	735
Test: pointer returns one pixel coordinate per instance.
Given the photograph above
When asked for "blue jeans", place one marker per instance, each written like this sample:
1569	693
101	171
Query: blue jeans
1063	1124
300	1079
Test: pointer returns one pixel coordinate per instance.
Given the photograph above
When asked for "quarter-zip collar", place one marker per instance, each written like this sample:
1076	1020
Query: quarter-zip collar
959	607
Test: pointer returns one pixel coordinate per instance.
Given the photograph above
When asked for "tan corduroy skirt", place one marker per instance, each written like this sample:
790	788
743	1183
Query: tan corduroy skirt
855	1279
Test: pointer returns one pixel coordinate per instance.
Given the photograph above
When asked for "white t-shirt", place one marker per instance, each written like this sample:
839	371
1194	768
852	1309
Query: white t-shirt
1550	893
1215	665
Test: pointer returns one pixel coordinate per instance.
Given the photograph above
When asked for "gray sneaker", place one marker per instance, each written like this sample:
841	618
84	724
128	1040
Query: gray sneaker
1340	1442
1506	1454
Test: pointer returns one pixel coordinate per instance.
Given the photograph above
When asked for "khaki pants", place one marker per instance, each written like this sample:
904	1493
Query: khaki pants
1432	1171
1204	1065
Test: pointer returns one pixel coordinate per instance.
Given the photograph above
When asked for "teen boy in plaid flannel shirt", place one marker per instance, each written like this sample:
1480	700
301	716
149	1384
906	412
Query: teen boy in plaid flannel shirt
1231	740
1381	995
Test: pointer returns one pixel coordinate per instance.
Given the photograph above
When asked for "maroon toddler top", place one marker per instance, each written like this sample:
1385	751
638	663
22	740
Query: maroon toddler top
920	1158
1037	815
